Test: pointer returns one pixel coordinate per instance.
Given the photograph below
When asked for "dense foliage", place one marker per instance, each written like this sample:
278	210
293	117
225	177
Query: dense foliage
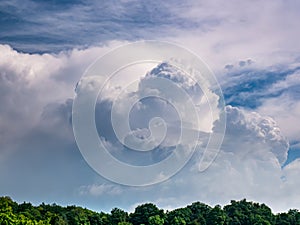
236	213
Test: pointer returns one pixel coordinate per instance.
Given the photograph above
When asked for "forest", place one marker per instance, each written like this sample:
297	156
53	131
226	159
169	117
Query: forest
241	212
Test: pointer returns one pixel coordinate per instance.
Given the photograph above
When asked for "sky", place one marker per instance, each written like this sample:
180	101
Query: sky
47	51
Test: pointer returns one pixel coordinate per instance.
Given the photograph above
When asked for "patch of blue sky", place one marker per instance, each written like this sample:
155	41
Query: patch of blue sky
293	153
248	88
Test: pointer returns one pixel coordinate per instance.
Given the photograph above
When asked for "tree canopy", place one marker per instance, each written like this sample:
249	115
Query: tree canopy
236	213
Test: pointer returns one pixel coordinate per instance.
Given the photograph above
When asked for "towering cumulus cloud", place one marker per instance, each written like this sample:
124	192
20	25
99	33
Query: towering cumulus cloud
251	129
39	151
149	99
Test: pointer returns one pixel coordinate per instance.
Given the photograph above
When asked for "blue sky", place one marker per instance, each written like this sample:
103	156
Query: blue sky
252	47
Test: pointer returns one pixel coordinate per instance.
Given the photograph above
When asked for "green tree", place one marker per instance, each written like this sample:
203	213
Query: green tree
143	212
248	213
104	219
258	220
294	216
183	213
55	219
7	216
199	211
124	223
290	218
156	220
7	219
118	215
216	216
178	221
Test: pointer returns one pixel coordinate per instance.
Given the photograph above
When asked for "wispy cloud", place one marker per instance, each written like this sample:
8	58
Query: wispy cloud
39	26
101	189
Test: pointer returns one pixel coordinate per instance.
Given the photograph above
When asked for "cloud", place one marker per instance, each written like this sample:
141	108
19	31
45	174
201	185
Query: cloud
32	84
249	87
251	127
80	23
150	115
272	91
243	169
248	166
39	153
22	77
285	110
38	150
220	32
102	189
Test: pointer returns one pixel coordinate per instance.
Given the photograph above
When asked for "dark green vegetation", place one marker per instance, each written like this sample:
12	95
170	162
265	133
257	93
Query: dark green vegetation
236	213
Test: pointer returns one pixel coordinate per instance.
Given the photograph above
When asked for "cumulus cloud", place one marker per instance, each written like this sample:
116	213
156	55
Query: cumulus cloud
25	84
285	110
38	150
285	107
32	84
271	91
37	124
165	92
250	127
248	166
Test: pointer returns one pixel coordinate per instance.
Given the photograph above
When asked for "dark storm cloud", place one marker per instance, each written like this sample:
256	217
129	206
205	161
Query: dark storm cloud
47	26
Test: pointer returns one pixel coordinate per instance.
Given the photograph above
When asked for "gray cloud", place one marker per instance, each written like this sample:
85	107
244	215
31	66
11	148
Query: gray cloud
38	26
40	155
243	169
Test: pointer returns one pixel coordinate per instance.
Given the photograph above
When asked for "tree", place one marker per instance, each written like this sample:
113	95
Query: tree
248	213
292	217
178	221
236	213
7	219
199	211
143	212
55	219
216	216
7	216
95	218
118	215
156	220
258	220
178	214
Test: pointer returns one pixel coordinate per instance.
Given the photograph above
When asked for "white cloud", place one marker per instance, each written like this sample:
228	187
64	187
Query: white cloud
238	32
290	81
101	189
31	82
25	89
34	87
248	166
250	127
285	110
164	93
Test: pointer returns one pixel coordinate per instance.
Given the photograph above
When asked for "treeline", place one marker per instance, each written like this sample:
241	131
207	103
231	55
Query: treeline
236	213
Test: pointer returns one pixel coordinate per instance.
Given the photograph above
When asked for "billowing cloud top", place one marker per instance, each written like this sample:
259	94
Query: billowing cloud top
46	47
